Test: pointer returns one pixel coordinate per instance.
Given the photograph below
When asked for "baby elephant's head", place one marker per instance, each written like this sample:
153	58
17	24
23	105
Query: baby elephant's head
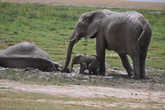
76	59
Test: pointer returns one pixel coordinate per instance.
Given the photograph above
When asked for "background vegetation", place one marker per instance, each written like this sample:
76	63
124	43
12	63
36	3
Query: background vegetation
50	27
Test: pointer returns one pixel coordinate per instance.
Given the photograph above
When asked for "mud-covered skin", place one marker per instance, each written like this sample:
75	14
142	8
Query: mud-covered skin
94	67
127	33
24	49
57	65
27	62
25	55
89	62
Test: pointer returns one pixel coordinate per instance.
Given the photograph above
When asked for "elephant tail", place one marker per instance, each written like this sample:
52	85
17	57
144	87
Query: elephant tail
141	35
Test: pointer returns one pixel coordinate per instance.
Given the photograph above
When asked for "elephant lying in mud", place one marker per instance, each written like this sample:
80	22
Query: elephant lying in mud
127	33
25	55
88	62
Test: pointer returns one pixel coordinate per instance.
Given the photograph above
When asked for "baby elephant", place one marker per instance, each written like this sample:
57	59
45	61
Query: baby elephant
89	62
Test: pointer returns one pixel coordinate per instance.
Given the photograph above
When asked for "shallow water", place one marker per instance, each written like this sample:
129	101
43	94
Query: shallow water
148	0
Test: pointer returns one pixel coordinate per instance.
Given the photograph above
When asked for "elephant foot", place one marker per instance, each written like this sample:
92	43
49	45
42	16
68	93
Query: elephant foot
82	73
102	74
136	77
131	75
142	76
66	70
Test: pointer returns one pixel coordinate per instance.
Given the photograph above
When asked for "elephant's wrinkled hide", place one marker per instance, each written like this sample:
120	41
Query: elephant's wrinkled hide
127	33
25	55
24	49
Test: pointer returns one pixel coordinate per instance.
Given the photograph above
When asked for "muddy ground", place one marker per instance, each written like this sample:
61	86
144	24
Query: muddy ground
130	92
114	84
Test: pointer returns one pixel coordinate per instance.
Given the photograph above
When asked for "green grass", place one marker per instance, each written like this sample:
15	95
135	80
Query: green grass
50	27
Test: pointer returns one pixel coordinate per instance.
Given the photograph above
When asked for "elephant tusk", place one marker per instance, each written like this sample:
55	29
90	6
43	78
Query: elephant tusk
141	35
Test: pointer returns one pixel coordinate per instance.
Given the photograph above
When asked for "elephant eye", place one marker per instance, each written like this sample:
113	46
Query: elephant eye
87	20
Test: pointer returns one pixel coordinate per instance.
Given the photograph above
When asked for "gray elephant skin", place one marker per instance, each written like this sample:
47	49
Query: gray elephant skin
25	55
127	33
94	66
88	62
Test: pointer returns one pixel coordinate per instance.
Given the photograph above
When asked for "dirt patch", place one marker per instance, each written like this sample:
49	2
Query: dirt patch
121	91
98	3
118	97
88	91
102	104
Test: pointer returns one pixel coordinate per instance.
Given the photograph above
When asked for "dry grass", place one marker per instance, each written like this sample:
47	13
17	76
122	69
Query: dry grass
98	3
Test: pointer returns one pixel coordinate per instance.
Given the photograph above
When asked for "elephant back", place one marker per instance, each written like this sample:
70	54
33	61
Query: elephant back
24	49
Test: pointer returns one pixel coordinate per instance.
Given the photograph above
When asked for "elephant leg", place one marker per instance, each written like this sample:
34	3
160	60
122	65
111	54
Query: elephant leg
82	68
71	68
143	55
89	69
136	64
100	51
126	64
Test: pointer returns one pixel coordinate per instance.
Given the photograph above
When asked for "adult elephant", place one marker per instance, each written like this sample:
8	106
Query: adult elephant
127	33
25	55
24	49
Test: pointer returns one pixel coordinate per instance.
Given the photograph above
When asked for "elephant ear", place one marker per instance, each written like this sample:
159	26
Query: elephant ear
93	27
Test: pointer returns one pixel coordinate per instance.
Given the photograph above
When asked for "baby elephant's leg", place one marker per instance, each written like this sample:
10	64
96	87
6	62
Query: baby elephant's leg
82	67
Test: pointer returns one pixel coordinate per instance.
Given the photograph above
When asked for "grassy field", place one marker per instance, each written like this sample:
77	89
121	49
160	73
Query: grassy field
50	27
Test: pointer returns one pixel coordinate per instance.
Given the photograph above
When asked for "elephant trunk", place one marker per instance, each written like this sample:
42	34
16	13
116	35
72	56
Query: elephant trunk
73	40
72	66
